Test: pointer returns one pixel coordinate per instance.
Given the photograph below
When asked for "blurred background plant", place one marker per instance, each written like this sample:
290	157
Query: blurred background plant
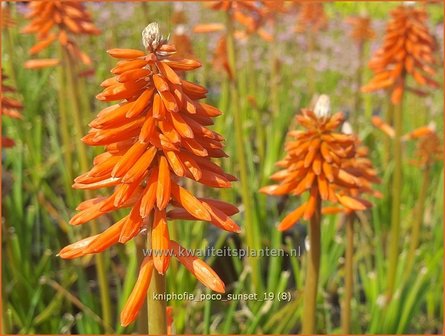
43	294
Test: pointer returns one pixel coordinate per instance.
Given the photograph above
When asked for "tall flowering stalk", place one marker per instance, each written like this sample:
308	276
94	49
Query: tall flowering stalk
318	163
10	107
154	136
429	150
361	33
368	176
407	51
55	21
243	12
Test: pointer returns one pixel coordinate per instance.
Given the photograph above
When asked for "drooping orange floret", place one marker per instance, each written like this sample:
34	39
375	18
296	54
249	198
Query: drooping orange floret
10	107
361	28
407	50
323	162
311	17
156	135
58	21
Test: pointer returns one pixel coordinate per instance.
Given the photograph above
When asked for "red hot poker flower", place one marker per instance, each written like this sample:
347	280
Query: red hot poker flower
57	20
317	162
407	50
156	135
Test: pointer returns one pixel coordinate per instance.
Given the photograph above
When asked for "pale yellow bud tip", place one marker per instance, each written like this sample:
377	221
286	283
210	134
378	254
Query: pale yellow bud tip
323	107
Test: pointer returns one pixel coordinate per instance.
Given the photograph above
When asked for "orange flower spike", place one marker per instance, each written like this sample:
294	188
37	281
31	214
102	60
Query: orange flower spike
138	294
155	134
407	49
320	161
361	29
58	20
429	147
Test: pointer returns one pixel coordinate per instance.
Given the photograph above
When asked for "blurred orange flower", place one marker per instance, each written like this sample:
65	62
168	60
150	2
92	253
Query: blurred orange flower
311	17
361	28
323	162
407	50
10	107
6	18
156	135
57	20
180	38
429	150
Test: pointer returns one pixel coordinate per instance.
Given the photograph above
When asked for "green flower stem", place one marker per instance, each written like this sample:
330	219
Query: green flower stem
312	272
418	218
83	160
358	95
246	194
396	200
65	130
349	254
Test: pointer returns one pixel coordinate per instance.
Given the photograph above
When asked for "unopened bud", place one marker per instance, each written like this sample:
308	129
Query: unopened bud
152	38
323	107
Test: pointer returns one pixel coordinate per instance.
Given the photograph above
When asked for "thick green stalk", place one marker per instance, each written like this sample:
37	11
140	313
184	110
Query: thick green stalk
312	272
251	231
349	253
157	319
396	200
418	218
83	160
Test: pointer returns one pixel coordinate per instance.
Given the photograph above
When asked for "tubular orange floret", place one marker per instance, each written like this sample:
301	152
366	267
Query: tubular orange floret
407	49
154	135
138	294
329	165
58	21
